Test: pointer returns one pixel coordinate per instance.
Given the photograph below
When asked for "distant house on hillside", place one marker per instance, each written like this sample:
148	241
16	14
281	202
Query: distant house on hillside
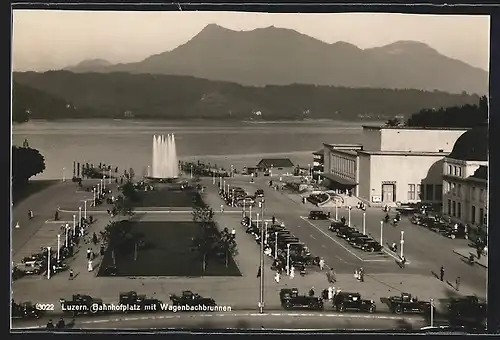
276	166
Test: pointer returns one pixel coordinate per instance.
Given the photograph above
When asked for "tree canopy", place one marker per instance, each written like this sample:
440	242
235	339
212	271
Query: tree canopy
454	117
26	163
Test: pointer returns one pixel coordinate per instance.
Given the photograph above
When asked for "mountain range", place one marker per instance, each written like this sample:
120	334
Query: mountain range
280	56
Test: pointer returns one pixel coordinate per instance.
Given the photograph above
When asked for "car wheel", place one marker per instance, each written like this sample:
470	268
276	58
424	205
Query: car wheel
452	236
341	308
372	250
288	305
372	309
398	309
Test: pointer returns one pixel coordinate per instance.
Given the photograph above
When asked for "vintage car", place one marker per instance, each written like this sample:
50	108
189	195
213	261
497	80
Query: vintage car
405	303
25	310
467	308
337	226
140	303
371	246
82	305
317	215
344	301
188	298
290	299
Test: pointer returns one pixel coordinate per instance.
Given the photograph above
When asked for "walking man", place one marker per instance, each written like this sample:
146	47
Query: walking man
71	275
292	272
233	233
321	264
361	274
277	277
330	293
441	273
457	283
89	251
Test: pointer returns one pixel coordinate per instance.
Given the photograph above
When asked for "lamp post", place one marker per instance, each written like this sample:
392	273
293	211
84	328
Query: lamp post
381	233
74	224
432	313
220	182
232	198
64	175
104	182
98	190
257	224
224	187
149	170
79	216
275	244
349	216
85	209
48	263
244	212
191	171
109	177
58	246
336	211
265	232
250	220
364	223
288	259
402	242
261	300
66	236
93	191
213	179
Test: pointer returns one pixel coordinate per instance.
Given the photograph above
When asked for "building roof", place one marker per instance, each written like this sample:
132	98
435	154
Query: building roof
320	152
402	153
344	146
472	145
402	127
275	163
481	173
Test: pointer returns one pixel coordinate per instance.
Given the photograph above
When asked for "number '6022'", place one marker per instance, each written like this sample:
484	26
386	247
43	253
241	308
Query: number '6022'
44	306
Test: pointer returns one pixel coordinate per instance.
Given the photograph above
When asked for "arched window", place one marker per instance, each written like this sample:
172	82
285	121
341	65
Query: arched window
455	170
450	171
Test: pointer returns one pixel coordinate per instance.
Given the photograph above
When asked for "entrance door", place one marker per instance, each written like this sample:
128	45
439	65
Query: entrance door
388	192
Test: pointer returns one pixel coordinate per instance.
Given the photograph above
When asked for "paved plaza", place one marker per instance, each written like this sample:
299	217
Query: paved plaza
426	252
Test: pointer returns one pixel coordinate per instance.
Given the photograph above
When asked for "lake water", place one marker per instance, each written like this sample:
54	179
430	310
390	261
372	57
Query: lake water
127	143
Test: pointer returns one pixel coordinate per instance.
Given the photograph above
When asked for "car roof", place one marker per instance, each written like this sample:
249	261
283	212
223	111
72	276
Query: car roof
348	294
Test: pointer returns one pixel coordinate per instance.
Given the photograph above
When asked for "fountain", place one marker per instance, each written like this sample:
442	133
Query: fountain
165	164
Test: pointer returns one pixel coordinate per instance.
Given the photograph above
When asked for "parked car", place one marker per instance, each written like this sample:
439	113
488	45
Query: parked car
405	303
372	246
318	215
290	299
345	301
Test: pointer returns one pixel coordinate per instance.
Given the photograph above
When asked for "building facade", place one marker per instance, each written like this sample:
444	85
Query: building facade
394	164
276	166
465	179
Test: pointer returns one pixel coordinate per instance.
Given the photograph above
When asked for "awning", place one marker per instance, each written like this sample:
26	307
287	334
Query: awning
339	180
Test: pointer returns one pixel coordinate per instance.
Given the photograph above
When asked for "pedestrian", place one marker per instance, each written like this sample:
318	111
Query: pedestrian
61	323
71	274
90	266
457	283
233	233
259	271
88	253
30	214
324	294
356	274
94	238
277	277
311	292
478	250
321	264
56	216
274	220
221	208
330	293
441	271
361	274
292	272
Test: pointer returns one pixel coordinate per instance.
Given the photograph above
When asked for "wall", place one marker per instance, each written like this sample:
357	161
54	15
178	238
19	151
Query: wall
419	140
371	139
364	176
343	164
404	170
327	159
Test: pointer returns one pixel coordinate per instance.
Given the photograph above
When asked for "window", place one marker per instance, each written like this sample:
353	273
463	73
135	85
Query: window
419	191
439	192
459	190
455	171
429	192
473	194
481	193
450	170
460	171
459	210
449	207
411	192
481	215
453	189
473	215
453	208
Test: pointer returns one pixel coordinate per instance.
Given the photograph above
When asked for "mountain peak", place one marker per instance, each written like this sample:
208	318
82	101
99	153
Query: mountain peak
408	45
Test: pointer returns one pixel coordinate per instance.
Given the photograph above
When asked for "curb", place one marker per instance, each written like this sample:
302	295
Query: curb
479	264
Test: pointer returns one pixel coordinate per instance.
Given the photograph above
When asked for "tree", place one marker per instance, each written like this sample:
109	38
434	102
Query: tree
393	122
129	192
123	206
26	162
228	245
204	215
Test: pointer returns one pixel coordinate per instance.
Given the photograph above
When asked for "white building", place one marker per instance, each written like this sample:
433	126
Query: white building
393	164
465	179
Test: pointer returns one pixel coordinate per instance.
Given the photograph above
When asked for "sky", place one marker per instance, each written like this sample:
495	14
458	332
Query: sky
44	39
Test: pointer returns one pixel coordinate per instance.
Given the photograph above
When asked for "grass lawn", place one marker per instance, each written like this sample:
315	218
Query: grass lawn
33	186
168	197
167	252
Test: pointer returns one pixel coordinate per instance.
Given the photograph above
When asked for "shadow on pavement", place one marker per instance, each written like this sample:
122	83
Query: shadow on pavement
404	325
